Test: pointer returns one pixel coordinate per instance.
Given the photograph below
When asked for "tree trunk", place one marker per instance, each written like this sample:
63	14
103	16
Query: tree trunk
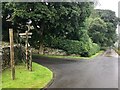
41	48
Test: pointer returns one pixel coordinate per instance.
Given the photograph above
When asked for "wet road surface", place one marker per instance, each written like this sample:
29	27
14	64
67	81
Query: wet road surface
100	72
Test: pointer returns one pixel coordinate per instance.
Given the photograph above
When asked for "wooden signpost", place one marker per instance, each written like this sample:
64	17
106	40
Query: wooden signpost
26	36
28	52
12	54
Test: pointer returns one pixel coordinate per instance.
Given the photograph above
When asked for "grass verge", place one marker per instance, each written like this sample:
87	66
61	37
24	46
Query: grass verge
67	57
38	78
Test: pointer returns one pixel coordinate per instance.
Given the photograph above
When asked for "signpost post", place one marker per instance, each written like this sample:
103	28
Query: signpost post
12	54
26	36
28	52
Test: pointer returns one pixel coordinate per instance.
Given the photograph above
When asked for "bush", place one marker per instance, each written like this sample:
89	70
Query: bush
118	51
94	49
74	47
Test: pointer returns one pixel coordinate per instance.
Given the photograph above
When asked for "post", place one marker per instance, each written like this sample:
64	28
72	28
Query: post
27	63
12	54
30	59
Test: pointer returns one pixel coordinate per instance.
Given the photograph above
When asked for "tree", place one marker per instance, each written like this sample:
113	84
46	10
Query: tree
40	14
111	21
111	34
108	36
56	19
97	31
108	16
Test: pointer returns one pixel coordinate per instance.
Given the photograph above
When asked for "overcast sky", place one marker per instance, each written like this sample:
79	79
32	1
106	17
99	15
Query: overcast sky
108	4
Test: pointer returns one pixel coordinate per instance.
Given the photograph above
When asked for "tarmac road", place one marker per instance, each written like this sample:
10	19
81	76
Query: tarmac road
100	72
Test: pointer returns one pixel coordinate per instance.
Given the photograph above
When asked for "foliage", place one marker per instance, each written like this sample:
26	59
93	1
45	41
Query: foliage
97	31
119	41
108	16
102	27
111	21
26	79
111	34
118	51
76	22
74	46
56	19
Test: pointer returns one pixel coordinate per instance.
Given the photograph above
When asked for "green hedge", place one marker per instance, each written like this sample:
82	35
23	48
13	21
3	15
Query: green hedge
73	46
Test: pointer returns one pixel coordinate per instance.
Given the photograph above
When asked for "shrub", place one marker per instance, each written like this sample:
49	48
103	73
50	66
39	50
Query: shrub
94	49
118	51
74	47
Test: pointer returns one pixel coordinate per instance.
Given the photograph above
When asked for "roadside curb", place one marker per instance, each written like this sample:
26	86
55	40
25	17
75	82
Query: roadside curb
74	59
50	82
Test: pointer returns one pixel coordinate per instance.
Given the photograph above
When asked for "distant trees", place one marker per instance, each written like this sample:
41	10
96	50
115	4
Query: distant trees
108	16
102	28
97	31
